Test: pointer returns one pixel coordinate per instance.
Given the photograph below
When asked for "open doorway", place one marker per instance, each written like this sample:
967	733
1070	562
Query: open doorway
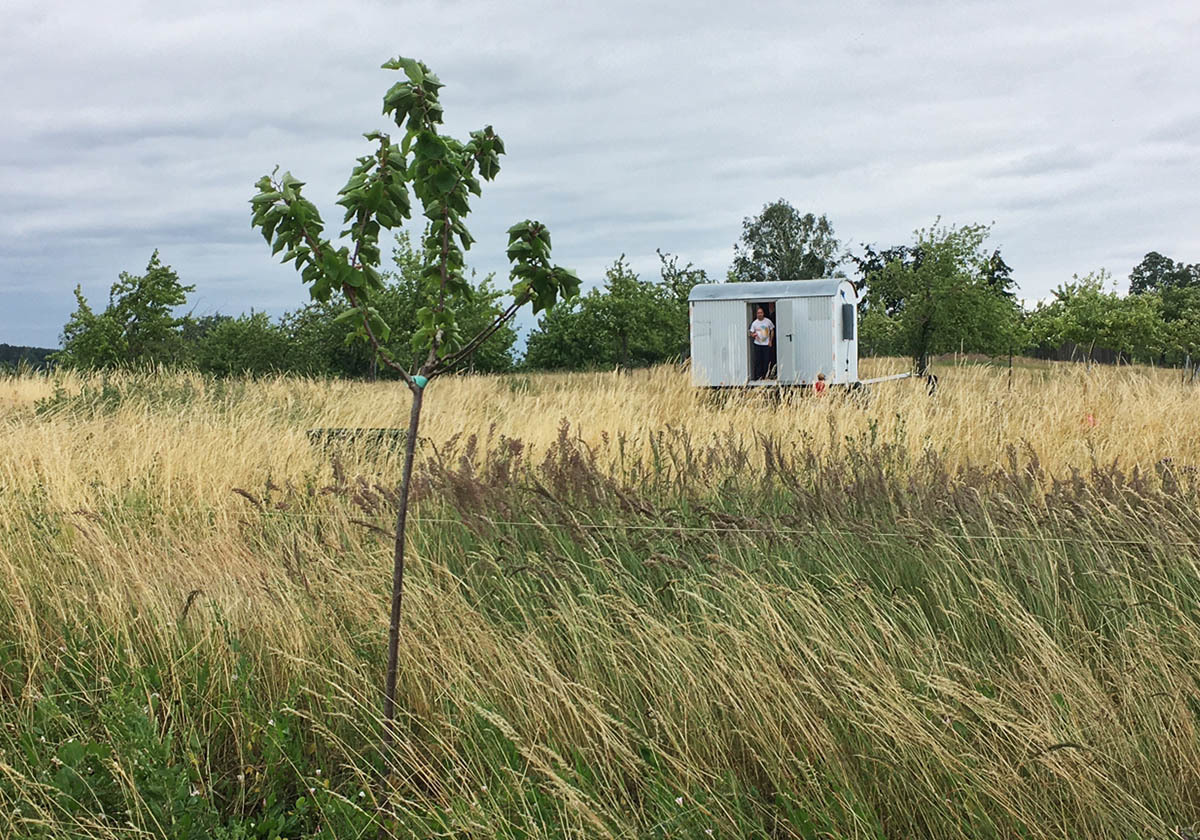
762	350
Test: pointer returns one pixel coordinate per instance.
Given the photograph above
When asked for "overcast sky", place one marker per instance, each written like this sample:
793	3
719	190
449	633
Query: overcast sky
125	127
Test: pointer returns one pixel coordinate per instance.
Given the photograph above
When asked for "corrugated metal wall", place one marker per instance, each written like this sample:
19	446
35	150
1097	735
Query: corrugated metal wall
817	348
804	336
720	344
845	349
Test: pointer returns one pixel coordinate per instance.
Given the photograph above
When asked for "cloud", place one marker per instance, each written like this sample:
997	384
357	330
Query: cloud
1049	162
630	126
1183	130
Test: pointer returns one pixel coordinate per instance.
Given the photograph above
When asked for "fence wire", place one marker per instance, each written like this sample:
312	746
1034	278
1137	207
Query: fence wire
725	529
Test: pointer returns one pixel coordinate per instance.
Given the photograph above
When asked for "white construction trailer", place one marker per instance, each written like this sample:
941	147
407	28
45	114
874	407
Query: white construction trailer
816	331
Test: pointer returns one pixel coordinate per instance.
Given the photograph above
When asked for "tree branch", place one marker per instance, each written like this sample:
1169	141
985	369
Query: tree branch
483	335
315	247
375	343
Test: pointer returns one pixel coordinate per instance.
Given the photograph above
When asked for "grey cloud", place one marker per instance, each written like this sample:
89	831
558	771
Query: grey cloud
1184	130
1049	161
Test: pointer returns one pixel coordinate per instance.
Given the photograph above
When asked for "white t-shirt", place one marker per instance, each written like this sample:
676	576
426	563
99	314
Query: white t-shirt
762	329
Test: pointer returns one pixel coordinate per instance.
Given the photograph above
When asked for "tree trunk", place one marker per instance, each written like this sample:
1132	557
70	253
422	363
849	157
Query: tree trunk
389	690
921	356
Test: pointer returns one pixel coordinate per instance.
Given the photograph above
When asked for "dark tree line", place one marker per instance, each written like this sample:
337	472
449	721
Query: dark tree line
13	357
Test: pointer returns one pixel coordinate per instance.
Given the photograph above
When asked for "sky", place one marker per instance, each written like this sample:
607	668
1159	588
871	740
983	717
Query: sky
1072	127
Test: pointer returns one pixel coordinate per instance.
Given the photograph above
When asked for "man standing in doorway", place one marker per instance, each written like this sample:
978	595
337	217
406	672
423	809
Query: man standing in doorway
763	333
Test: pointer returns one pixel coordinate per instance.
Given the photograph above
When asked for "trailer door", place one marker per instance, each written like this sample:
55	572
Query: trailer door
805	338
786	340
720	353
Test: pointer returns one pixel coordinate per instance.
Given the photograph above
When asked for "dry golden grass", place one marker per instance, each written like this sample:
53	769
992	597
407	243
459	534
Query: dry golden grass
918	685
211	439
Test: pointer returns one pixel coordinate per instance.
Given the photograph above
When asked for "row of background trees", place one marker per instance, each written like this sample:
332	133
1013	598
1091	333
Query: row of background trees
944	291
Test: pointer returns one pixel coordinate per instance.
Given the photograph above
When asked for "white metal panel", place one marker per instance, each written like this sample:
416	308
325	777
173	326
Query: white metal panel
805	338
752	292
845	350
720	343
785	337
814	333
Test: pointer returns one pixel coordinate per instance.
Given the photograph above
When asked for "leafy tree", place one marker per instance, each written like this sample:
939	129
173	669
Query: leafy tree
565	339
1177	285
1082	313
324	343
194	329
1180	302
1181	336
677	284
142	306
871	265
780	243
404	296
137	327
443	173
941	293
89	340
248	344
629	322
1156	273
628	316
998	275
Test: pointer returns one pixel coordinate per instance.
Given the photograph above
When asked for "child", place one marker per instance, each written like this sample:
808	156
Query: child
819	386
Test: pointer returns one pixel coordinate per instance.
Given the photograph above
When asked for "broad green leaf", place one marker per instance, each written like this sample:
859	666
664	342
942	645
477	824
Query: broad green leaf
413	70
348	316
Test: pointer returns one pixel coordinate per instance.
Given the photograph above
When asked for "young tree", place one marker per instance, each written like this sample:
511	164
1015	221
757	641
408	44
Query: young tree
940	294
781	243
143	307
878	325
628	314
677	284
404	295
137	327
565	338
89	340
1084	314
247	344
628	322
443	173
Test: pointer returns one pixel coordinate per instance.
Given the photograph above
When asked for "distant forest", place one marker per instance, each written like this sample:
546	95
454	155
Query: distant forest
11	356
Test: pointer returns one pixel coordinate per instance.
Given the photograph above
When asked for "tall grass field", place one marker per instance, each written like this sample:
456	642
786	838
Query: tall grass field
632	610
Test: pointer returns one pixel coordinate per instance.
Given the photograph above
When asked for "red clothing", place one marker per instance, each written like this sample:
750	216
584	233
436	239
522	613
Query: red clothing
819	386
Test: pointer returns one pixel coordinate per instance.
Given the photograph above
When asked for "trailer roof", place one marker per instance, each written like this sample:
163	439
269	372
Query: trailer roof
826	287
